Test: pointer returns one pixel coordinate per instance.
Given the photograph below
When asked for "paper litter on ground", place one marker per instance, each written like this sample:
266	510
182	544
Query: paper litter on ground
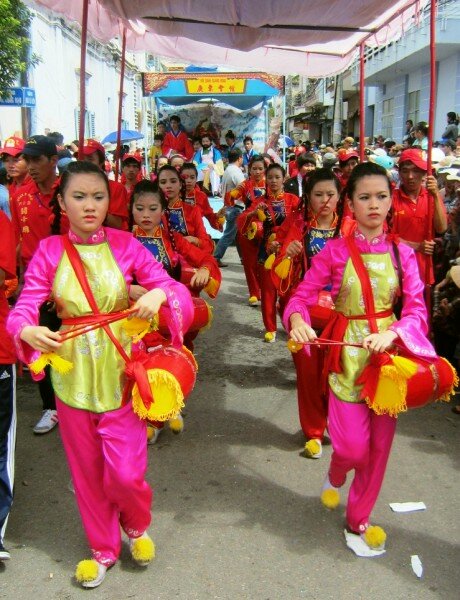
359	546
403	507
416	564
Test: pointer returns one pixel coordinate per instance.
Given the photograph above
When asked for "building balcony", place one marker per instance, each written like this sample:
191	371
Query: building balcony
382	64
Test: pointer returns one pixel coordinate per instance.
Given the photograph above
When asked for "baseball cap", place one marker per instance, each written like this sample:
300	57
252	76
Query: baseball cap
13	146
90	146
346	156
415	157
39	145
131	156
384	161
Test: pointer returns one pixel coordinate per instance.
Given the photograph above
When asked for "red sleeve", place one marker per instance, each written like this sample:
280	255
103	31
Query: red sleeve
7	247
188	148
195	220
118	206
206	210
197	258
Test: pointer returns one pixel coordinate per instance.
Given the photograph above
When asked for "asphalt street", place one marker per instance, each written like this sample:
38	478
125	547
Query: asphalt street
236	511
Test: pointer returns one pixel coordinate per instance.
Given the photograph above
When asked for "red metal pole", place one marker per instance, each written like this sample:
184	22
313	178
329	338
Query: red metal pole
361	102
84	35
120	103
431	117
432	106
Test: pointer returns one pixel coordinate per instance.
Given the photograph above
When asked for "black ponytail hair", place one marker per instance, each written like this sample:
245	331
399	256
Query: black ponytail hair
79	167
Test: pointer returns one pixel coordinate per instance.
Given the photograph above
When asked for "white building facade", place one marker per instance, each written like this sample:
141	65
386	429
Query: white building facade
56	81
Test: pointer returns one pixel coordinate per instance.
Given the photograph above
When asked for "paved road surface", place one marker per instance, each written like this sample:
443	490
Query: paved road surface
236	511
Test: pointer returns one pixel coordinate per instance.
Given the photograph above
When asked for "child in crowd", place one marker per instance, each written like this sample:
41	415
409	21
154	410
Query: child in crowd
365	272
89	271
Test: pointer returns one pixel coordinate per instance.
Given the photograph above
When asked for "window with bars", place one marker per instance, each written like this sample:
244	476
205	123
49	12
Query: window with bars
413	106
387	117
90	123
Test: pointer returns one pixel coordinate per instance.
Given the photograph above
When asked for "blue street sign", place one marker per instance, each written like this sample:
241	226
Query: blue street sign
29	97
19	97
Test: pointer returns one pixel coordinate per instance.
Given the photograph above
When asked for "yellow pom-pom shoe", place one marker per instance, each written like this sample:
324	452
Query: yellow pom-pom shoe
176	424
313	448
374	536
153	434
270	337
142	549
330	496
90	573
253	301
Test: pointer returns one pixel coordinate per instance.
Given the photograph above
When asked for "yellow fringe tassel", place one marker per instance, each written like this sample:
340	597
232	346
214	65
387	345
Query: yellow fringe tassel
283	268
221	220
261	215
168	399
451	391
136	328
268	264
390	397
271	237
212	287
251	231
59	364
210	319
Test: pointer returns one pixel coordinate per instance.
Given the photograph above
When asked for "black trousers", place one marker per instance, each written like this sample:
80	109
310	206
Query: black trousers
48	318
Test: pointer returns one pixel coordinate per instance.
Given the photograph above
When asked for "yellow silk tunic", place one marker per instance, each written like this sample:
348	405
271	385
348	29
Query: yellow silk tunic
385	285
96	381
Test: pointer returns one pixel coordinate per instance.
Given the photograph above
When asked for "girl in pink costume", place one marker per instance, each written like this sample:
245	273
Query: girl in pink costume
361	439
103	439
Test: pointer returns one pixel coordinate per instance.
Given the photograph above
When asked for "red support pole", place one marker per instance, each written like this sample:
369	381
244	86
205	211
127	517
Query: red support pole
84	36
432	106
361	102
431	116
120	103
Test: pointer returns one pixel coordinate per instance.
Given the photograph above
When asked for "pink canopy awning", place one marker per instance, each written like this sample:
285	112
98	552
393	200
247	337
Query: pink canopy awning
314	39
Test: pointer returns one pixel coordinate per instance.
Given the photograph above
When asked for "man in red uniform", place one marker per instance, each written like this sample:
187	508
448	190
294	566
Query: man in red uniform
117	216
176	140
31	216
411	210
15	165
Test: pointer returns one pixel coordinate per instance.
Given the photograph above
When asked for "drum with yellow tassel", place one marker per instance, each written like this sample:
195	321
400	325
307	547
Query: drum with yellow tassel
432	381
255	231
171	375
407	382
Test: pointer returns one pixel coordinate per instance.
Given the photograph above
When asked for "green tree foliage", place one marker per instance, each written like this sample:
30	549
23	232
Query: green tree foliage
15	19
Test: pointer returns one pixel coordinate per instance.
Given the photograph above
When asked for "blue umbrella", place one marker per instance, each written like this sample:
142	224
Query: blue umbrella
285	141
127	135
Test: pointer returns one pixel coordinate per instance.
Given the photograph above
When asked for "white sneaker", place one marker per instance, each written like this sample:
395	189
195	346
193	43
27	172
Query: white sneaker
152	434
47	422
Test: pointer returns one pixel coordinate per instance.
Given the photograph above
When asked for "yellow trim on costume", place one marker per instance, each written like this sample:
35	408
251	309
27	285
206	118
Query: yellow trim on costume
59	364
